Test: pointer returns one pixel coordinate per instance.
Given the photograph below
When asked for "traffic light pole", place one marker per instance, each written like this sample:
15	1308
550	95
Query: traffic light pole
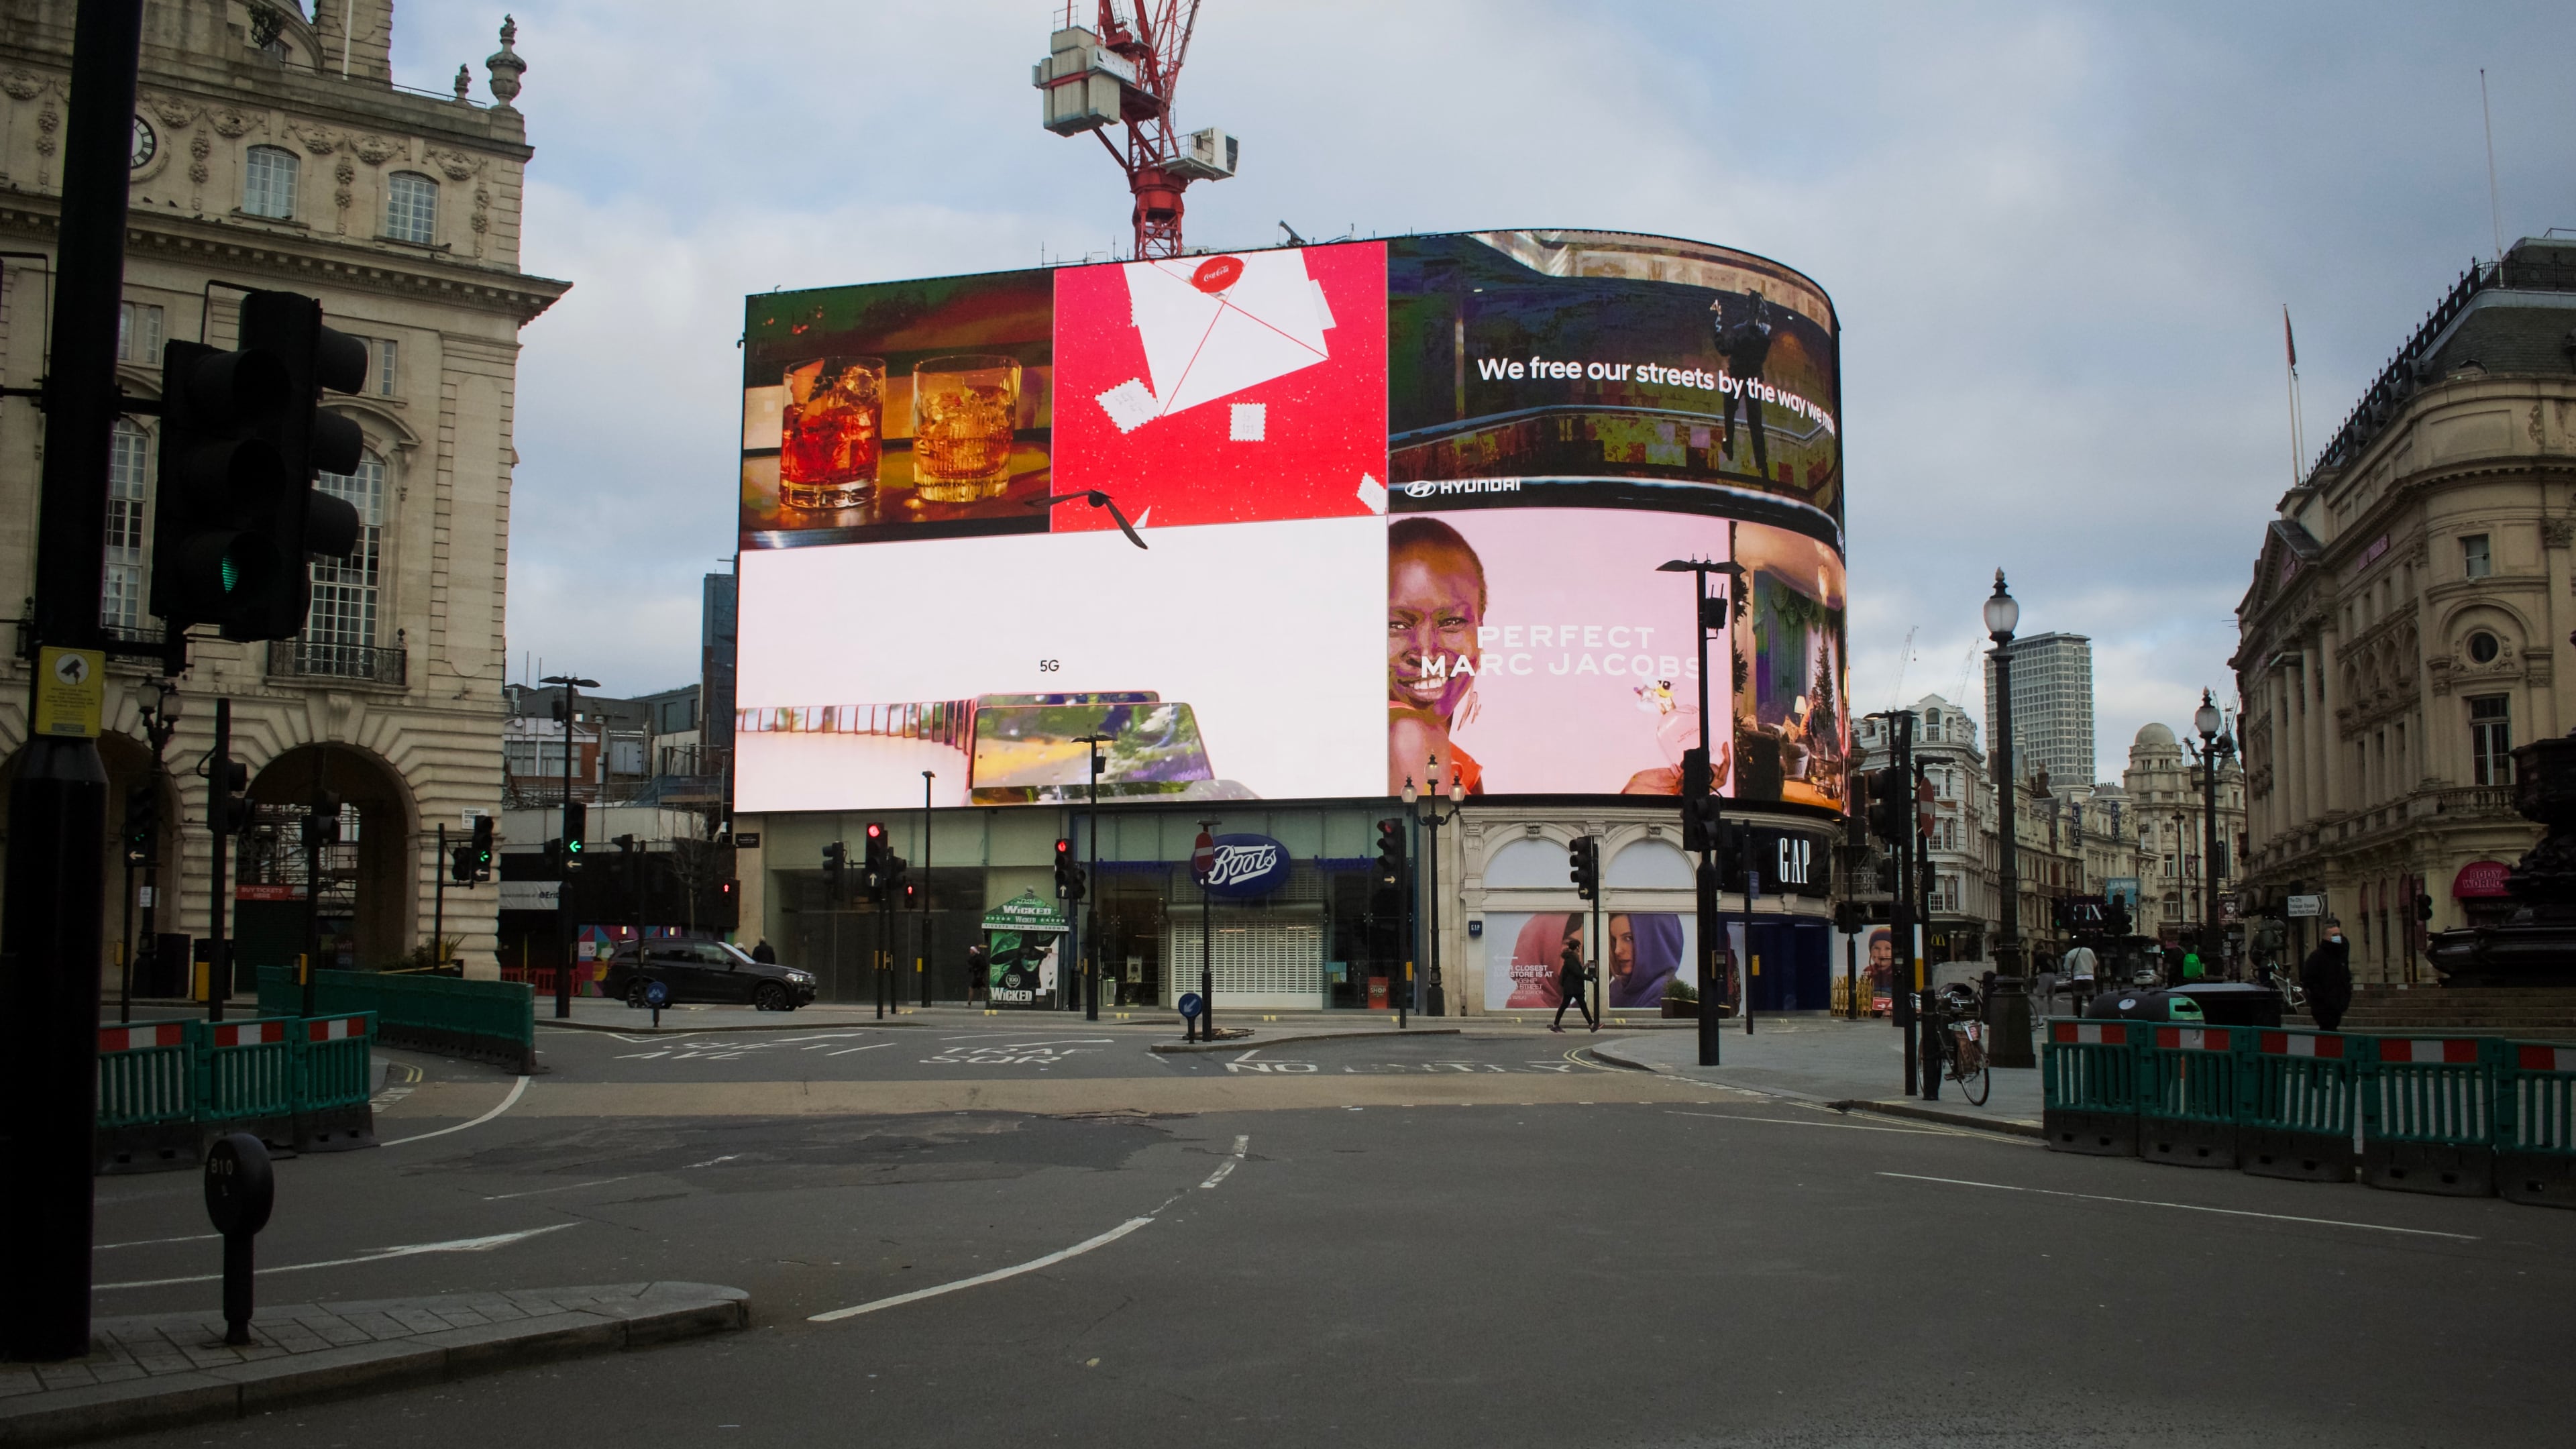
1593	844
1902	991
219	771
438	913
49	941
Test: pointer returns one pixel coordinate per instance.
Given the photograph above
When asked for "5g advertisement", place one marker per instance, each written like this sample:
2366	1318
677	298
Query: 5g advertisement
1303	523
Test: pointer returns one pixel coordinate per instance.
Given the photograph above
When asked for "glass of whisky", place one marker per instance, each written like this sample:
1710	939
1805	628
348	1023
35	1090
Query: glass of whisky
963	411
829	432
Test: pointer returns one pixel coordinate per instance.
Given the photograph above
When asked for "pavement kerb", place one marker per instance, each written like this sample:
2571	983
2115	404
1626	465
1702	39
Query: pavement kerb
1256	1039
657	1313
1917	1111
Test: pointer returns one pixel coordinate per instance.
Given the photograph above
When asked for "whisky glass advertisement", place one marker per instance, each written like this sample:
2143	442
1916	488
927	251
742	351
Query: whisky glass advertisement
963	411
831	431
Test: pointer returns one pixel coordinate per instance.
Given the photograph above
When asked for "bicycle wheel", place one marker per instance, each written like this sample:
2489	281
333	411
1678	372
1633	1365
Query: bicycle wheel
1973	1082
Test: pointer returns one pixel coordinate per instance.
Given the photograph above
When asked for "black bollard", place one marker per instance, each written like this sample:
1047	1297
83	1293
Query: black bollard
1928	1015
240	1189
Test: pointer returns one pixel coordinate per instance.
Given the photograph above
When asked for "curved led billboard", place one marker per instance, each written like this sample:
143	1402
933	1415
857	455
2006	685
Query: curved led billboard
1300	523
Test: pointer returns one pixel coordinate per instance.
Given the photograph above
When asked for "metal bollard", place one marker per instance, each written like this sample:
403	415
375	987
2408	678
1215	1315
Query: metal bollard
240	1189
1927	1015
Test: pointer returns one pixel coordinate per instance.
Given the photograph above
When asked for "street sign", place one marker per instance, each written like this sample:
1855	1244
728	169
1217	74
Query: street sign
2306	906
746	839
1192	1007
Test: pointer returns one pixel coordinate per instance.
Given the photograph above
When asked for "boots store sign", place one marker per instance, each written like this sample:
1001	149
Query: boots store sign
1239	867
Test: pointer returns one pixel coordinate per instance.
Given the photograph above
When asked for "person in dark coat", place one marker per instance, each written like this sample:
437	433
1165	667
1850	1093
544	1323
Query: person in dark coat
2327	975
1570	979
764	953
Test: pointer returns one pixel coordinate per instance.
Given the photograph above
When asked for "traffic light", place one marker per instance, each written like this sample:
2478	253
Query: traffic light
236	791
873	862
462	865
1583	858
1890	873
142	822
836	859
576	826
482	847
242	436
1390	856
2423	906
322	822
1699	803
1068	874
1891	805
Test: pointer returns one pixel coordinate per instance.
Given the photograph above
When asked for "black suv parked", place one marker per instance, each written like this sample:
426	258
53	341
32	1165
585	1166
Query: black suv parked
706	971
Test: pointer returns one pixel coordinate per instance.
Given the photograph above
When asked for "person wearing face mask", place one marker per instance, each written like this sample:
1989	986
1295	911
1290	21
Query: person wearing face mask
2327	975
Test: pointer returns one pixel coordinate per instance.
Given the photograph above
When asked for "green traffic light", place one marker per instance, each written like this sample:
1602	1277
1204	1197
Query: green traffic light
574	847
232	572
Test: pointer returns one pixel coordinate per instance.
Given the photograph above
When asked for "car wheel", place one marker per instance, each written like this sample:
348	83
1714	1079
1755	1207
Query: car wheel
635	993
771	997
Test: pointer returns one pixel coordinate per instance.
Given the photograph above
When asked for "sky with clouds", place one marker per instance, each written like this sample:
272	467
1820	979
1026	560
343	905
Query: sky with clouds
2060	238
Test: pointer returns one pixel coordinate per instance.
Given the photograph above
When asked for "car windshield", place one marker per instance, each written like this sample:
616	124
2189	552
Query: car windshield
735	953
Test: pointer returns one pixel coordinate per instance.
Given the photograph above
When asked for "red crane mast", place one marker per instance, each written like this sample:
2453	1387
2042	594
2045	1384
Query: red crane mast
1123	71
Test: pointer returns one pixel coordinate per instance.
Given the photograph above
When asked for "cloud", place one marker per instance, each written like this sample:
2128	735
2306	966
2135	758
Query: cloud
2060	237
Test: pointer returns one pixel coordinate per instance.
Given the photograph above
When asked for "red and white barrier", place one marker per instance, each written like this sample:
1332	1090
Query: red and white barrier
335	1028
2195	1038
2400	1049
2283	1044
139	1038
2545	1058
249	1033
2091	1033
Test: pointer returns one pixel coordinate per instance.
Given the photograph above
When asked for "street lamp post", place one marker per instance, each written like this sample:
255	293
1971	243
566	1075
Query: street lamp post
564	926
159	713
1432	818
921	962
1699	797
2009	1012
1091	890
1204	859
2215	747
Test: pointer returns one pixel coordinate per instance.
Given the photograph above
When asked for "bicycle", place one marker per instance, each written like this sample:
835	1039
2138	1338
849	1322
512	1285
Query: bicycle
1963	1042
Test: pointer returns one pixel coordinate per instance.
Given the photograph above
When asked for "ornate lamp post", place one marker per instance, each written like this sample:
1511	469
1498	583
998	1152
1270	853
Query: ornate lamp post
2215	748
1431	819
158	708
2009	1012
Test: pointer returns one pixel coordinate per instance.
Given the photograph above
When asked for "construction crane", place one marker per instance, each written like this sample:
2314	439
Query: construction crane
1122	71
1904	657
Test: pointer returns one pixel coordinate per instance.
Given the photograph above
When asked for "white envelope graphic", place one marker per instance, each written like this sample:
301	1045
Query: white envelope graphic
1203	345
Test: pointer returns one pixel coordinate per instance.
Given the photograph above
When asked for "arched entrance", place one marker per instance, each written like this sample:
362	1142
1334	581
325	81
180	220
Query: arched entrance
129	764
364	907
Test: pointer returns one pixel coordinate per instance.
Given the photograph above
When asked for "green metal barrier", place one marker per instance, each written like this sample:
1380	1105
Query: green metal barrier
2190	1092
2301	1107
334	1076
2536	1131
2429	1114
167	1088
2089	1071
147	1100
248	1070
492	1021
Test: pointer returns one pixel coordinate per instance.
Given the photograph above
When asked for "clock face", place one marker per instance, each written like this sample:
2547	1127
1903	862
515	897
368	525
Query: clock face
145	143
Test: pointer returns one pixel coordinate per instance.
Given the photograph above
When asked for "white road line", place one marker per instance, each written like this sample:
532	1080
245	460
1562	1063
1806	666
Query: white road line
1224	1170
2188	1207
408	1250
508	1102
872	1046
1240	1143
996	1276
712	1161
643	1056
154	1242
1794	1122
1247	1056
567	1187
826	1036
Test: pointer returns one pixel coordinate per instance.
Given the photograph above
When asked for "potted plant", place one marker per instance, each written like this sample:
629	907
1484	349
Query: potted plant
1680	999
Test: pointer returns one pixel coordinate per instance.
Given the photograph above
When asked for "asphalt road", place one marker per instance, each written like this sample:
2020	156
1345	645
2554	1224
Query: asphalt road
1534	1251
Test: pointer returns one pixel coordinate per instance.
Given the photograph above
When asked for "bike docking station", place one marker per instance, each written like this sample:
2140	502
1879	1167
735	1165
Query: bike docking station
2452	1116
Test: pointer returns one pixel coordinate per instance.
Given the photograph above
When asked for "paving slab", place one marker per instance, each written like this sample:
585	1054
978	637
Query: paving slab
158	1370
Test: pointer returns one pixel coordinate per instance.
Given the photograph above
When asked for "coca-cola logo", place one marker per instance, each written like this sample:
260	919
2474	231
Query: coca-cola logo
1244	865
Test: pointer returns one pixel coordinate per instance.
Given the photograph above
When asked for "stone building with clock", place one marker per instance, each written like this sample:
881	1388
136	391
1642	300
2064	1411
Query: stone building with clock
273	150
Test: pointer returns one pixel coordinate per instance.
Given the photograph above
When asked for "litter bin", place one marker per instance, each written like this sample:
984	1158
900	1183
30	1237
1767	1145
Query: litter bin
2145	1003
2234	1003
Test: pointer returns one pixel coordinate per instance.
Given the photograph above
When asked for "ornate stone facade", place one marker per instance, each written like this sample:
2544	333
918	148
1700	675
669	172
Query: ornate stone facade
2401	630
273	153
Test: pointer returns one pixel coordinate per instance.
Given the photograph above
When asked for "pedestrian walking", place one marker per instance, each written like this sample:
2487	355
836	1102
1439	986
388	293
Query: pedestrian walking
1570	980
979	973
2327	974
765	953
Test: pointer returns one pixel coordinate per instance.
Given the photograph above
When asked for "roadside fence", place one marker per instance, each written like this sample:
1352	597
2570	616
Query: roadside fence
167	1088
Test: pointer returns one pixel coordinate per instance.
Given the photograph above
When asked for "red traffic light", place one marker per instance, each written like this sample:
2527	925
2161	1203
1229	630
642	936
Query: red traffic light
875	831
1064	850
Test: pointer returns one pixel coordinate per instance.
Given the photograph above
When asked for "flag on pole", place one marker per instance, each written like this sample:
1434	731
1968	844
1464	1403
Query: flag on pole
2288	339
